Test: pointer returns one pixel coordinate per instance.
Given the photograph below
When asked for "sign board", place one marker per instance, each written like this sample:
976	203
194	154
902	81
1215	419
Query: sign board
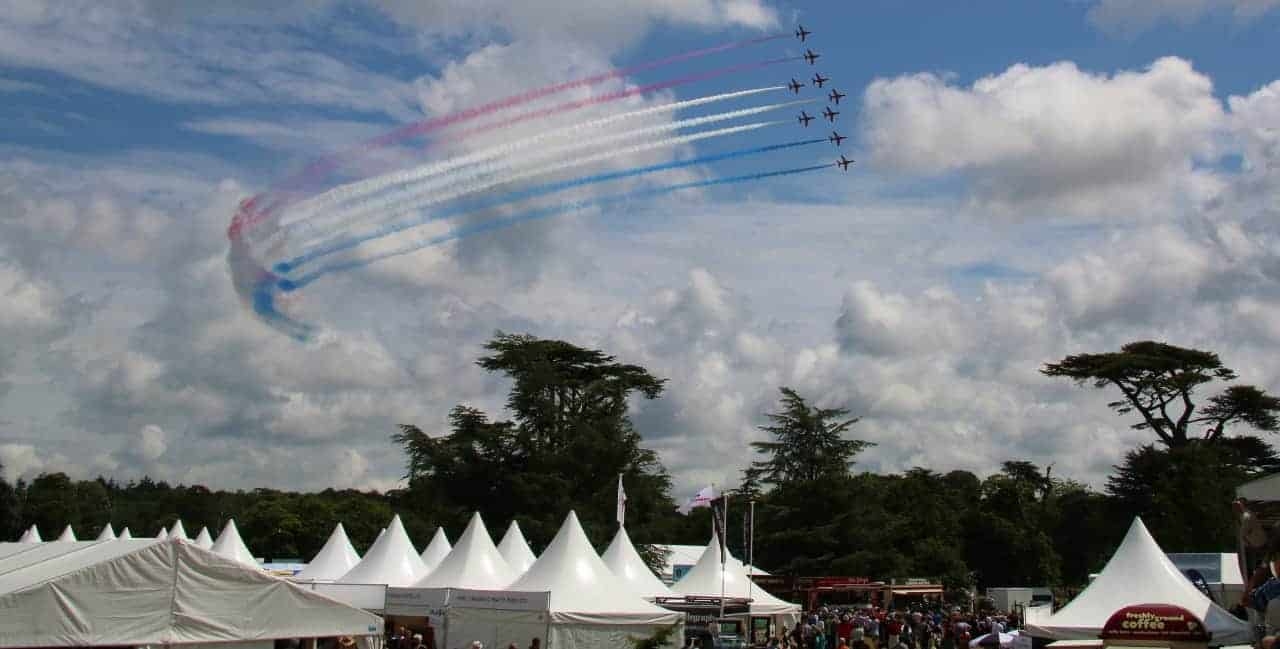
1154	622
500	599
417	601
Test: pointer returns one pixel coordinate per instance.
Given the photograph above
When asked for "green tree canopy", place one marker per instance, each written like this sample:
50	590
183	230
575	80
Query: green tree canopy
807	443
1159	381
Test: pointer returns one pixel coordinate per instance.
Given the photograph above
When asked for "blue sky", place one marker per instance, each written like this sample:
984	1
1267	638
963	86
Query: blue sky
1033	179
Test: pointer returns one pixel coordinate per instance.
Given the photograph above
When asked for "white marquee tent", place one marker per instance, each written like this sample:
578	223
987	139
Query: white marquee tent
67	534
474	563
162	534
684	557
203	539
178	531
230	546
437	550
623	560
334	560
1138	573
704	580
32	535
125	534
150	592
107	533
516	550
391	560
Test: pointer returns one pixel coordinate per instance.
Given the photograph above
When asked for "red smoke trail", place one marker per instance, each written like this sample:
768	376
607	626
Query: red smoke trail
248	216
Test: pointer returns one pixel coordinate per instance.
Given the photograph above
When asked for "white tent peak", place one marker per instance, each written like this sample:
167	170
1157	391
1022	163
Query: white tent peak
204	540
32	535
125	534
705	579
162	534
334	560
473	563
391	560
178	531
515	549
67	534
231	546
623	560
436	551
1139	573
107	533
580	582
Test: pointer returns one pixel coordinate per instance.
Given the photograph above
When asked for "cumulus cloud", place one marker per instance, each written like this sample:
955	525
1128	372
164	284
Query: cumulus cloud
1134	16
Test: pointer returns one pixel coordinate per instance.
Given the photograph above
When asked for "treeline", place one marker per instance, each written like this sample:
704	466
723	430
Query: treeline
570	437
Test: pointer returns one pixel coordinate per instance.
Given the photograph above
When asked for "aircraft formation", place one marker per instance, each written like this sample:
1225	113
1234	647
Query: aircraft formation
834	97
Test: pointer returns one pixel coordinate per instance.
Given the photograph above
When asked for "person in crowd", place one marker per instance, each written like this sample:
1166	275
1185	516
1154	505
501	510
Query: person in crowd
893	630
858	640
417	641
536	643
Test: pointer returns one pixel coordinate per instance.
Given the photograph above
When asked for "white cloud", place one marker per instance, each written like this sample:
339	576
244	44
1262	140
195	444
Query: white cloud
1133	16
1056	138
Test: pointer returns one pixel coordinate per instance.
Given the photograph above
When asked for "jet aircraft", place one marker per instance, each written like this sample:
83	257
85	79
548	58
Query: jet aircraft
804	118
801	33
844	163
830	114
818	79
835	96
837	138
810	56
795	86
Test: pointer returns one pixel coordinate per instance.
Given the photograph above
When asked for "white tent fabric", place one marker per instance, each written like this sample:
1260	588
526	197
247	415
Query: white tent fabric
178	531
151	592
1005	640
162	534
230	546
516	550
704	580
436	551
1138	573
623	560
125	534
203	540
474	563
687	555
107	533
391	560
334	560
67	534
583	589
32	535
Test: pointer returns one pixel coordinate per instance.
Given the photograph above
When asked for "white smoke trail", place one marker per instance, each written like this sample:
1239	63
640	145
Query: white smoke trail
356	190
415	201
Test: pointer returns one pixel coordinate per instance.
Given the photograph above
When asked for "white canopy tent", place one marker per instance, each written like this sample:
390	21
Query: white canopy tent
334	560
162	534
474	563
623	560
705	580
436	551
178	531
230	546
1138	573
107	533
681	558
67	534
516	550
32	535
125	534
204	540
588	606
390	561
151	592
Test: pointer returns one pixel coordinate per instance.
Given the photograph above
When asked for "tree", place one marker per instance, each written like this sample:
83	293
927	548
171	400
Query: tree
1159	381
10	510
807	443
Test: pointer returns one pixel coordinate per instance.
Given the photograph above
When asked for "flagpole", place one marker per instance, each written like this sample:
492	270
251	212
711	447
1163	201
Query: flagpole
724	549
751	550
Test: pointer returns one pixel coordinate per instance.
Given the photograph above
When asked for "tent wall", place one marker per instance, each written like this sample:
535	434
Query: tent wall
603	636
493	627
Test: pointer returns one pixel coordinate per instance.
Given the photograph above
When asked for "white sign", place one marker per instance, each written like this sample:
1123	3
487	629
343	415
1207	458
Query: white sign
500	599
417	601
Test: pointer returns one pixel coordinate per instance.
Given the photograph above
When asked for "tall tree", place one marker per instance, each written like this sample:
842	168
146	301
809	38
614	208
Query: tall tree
10	510
807	443
1160	381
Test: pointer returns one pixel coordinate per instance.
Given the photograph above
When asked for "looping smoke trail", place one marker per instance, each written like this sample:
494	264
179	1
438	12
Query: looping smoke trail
292	264
289	285
489	169
359	189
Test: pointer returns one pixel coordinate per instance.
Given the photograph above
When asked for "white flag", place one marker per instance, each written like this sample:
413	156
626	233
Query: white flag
622	501
702	498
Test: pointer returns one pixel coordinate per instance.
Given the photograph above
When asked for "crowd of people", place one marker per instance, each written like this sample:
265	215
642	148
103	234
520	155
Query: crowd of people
875	628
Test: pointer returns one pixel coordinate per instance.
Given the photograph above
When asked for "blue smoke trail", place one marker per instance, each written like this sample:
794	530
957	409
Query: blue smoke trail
288	266
287	285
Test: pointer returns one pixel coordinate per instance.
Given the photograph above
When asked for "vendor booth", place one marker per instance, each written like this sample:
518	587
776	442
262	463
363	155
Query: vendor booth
711	578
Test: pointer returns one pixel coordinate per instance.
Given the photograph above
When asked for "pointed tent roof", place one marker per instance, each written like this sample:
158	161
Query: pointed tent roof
474	563
436	551
203	539
125	534
623	560
334	560
516	550
581	585
32	535
230	546
391	560
67	534
704	580
177	594
162	534
178	531
1139	573
107	534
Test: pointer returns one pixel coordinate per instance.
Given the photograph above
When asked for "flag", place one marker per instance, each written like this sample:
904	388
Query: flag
622	501
703	498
